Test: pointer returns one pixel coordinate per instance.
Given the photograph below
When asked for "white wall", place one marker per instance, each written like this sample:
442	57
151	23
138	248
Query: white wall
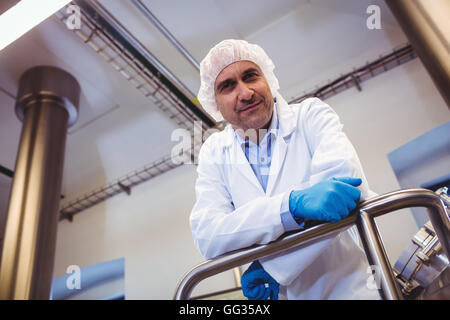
423	162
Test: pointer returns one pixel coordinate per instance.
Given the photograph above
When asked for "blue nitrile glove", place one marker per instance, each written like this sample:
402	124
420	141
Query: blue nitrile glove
330	200
257	284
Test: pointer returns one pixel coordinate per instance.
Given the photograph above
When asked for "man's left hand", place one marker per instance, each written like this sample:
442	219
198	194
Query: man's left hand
257	284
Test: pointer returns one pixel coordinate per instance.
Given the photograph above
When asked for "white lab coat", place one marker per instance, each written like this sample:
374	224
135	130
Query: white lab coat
232	211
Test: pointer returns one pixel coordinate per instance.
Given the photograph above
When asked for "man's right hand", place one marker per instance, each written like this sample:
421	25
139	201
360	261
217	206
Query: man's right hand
330	200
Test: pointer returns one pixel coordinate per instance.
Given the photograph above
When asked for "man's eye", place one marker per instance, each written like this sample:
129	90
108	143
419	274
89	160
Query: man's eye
225	86
249	76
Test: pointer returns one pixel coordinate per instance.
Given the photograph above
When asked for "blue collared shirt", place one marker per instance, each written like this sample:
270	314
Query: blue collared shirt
260	159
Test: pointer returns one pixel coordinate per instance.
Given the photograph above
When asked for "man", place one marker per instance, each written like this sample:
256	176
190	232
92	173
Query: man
276	168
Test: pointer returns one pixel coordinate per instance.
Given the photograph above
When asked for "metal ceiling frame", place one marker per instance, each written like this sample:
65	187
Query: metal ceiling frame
100	30
356	77
123	184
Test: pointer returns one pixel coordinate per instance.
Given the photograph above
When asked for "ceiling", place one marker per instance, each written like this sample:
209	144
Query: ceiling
120	130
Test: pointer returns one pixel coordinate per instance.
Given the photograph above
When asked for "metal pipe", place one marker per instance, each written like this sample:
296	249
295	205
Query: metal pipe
371	239
166	33
247	255
6	171
136	51
237	276
426	24
376	256
414	198
47	104
101	11
362	74
372	208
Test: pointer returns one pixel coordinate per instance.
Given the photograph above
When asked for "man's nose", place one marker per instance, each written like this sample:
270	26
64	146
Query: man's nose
245	93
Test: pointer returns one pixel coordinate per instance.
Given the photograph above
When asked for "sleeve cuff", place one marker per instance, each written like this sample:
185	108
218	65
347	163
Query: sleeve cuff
287	219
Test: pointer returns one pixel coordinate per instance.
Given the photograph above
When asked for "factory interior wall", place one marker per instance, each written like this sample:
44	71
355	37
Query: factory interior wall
423	162
150	227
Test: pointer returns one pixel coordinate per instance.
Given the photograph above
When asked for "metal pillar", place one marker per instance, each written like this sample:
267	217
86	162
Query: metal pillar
47	104
426	23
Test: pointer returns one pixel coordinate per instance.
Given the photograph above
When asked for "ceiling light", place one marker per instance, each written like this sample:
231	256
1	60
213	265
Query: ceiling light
24	16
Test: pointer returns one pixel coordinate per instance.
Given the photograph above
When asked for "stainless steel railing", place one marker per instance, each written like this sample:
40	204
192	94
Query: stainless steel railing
363	216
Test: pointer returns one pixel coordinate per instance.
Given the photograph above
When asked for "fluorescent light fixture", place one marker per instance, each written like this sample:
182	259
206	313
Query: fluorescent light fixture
24	16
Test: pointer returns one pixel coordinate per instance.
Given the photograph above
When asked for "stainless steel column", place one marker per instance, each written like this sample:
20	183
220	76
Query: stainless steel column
47	103
426	23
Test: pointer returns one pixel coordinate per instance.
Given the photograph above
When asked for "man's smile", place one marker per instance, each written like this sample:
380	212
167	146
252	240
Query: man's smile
251	107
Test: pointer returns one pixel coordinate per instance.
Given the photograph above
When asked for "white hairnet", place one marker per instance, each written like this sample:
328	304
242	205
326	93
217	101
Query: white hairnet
224	54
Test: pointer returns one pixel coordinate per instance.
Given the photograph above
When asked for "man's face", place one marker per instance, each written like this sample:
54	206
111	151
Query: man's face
243	96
